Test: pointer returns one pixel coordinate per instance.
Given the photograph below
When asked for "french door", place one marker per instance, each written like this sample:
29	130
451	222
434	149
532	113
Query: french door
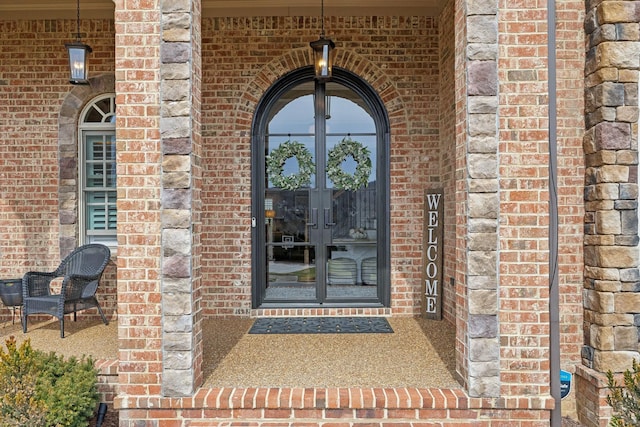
320	192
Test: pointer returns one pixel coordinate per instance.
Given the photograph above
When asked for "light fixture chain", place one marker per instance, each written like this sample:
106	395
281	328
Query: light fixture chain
78	21
322	17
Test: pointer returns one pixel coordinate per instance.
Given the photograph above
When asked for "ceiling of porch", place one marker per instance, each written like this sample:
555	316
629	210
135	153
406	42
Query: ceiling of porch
61	9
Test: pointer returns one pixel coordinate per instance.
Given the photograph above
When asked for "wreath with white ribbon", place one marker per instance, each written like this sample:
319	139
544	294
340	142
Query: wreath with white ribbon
338	154
277	159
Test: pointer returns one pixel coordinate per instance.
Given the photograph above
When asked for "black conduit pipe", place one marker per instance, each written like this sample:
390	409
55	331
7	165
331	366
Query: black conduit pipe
102	411
554	293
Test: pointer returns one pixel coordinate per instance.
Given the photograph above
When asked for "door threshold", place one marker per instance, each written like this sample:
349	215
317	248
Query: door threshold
276	311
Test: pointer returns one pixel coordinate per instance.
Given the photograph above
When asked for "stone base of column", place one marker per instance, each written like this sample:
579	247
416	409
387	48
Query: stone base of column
591	397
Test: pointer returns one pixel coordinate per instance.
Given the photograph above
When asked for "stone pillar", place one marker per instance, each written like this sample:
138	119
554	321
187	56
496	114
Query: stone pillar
180	73
483	199
611	298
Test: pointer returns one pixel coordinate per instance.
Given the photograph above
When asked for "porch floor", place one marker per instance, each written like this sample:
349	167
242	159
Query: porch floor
420	353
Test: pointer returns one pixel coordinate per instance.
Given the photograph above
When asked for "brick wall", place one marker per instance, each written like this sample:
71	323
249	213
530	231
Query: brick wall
139	158
461	205
239	64
524	228
33	85
339	407
448	152
570	93
524	199
242	57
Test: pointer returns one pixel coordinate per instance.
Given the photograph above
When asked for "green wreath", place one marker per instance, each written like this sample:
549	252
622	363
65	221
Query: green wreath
342	180
277	159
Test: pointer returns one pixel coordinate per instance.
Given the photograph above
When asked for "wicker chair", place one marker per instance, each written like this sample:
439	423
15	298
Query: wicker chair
80	271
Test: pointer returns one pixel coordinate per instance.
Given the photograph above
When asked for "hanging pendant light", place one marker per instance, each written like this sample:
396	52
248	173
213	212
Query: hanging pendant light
78	56
323	53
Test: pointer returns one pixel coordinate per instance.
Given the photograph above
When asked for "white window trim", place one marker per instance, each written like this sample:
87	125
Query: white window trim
107	125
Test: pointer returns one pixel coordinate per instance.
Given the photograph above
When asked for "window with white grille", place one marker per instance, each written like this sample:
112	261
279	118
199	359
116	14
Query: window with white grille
97	167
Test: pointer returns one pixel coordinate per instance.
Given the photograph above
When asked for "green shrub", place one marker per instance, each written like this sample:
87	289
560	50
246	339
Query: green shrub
625	399
19	405
40	389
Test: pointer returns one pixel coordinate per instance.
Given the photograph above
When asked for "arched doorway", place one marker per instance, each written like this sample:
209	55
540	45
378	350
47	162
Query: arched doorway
320	191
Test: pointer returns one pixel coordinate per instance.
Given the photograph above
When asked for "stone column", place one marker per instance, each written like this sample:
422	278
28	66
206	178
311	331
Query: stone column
180	74
611	297
483	199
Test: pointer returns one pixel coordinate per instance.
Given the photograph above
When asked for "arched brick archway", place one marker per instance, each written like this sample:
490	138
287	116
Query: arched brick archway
348	60
379	81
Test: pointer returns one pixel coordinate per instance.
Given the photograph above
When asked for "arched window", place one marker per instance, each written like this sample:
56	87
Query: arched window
97	171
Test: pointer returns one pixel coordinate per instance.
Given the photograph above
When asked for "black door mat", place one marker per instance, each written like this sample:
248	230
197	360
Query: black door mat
321	325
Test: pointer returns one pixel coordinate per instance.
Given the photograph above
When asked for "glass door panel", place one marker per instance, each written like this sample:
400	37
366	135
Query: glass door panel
290	253
321	198
351	152
291	256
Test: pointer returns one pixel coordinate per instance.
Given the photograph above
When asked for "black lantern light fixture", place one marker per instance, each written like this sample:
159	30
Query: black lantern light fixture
78	56
323	53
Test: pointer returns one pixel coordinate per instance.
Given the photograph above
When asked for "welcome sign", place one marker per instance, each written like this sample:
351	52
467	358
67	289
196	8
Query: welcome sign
432	254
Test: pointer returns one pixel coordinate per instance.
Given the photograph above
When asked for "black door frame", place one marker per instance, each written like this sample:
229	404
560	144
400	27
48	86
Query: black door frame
258	131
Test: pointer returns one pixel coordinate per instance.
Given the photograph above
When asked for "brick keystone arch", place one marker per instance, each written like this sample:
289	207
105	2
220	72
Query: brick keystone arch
302	57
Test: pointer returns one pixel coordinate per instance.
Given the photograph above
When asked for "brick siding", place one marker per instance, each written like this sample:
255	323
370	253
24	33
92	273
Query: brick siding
447	117
339	406
33	87
242	57
404	59
524	200
140	198
461	205
570	59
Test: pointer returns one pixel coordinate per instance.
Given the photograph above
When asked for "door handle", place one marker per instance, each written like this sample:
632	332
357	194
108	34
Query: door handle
314	218
328	222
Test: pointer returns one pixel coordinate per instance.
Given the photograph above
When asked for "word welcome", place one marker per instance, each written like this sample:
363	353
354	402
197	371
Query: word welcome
432	255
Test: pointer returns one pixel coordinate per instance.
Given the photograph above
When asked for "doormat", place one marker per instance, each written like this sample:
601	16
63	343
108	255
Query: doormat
321	325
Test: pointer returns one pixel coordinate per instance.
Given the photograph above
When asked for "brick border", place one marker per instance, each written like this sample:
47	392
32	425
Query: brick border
287	402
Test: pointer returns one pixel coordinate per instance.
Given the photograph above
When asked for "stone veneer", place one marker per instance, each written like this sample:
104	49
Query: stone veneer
483	199
611	298
180	133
